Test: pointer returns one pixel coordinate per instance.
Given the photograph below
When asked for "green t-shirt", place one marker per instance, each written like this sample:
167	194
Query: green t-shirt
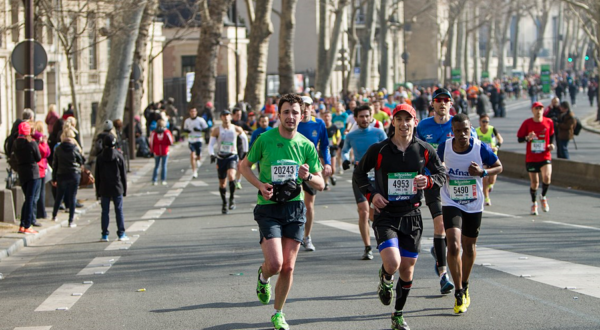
282	157
381	116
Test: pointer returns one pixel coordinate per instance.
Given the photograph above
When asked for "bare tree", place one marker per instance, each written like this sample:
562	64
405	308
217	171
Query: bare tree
260	31
540	12
501	37
287	29
325	69
211	15
456	8
352	41
384	66
366	52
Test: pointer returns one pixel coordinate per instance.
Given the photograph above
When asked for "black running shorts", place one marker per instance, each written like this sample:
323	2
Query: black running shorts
433	201
407	228
223	165
468	223
536	167
281	220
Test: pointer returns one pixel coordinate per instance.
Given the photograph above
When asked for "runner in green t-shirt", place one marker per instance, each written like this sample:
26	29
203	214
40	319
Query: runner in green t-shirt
287	158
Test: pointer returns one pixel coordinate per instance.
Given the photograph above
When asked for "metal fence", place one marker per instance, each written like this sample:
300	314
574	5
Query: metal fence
176	88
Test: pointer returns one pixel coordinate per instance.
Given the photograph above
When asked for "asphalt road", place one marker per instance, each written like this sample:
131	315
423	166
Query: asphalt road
198	267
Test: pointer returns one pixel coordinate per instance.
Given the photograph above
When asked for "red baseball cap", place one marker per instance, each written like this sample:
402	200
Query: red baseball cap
537	104
209	104
405	107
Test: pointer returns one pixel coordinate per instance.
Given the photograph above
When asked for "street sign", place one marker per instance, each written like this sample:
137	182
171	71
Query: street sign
456	76
545	78
485	75
38	84
18	58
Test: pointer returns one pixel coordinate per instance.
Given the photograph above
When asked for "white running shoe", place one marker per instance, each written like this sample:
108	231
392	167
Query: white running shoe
545	206
195	175
308	245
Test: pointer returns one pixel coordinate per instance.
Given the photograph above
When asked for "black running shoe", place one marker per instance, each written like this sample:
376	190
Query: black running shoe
231	204
224	209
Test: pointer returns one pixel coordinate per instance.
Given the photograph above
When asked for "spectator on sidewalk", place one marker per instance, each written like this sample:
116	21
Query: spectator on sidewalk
41	137
592	92
52	117
111	184
66	173
160	140
566	126
27	155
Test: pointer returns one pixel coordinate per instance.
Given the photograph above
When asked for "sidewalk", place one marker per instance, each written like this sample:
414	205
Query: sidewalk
11	241
590	124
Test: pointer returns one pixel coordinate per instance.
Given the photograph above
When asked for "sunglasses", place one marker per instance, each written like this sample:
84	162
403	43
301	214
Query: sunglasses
485	121
442	100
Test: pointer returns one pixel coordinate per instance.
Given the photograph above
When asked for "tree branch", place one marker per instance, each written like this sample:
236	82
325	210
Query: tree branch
584	25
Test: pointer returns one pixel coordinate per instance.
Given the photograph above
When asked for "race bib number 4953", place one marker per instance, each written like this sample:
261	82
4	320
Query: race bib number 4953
463	190
401	186
284	171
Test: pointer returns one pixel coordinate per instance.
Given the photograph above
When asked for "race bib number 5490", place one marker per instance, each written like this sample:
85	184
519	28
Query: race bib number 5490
463	190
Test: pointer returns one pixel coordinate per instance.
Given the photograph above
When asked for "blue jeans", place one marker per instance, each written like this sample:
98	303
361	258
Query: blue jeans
562	149
29	189
162	160
118	203
41	202
67	189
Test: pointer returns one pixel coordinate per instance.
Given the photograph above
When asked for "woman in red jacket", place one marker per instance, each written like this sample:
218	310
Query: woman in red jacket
39	135
160	140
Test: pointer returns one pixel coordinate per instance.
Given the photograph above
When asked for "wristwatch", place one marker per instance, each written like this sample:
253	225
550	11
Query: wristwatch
484	174
309	177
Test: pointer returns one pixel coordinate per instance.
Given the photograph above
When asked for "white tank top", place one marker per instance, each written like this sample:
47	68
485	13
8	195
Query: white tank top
462	191
227	142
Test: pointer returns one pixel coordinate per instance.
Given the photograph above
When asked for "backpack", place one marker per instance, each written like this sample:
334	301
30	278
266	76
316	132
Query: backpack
12	158
578	126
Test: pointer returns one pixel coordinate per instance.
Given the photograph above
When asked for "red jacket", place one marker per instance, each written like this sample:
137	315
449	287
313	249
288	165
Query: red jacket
160	142
43	163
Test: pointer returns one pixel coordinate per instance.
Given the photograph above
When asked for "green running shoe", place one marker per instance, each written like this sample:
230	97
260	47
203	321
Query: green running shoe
279	323
385	290
263	291
398	322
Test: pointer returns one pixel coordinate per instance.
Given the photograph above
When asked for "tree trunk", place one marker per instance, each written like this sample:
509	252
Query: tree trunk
466	72
203	89
449	60
502	44
260	31
321	49
476	54
366	45
488	46
384	65
559	29
515	51
286	47
563	51
352	42
540	35
74	102
460	44
324	76
121	58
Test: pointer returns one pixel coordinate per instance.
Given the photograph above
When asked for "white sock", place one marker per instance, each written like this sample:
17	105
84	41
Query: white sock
278	311
262	279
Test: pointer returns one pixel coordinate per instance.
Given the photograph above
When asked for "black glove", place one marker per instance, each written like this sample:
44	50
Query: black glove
186	130
196	129
213	159
346	165
242	155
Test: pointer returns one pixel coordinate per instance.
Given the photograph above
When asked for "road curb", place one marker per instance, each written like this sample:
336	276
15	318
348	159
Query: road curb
587	127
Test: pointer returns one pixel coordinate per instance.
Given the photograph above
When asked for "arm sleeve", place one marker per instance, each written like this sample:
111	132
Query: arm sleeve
360	176
437	171
211	145
522	133
123	175
186	125
346	149
36	151
244	139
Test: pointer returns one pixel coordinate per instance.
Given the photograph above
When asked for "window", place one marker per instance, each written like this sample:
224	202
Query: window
188	64
92	42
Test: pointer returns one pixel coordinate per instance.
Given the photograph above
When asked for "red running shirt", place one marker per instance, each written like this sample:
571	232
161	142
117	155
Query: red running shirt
537	149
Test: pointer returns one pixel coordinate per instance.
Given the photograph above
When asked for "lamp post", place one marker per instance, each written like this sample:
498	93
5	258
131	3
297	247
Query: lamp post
406	55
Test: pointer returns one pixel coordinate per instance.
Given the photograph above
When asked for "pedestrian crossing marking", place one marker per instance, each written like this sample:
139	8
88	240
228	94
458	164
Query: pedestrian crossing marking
570	225
140	226
63	299
173	193
98	265
34	328
164	202
199	183
153	214
121	245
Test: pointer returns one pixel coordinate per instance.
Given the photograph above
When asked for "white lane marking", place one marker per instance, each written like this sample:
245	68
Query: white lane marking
98	266
351	227
216	193
187	173
181	184
570	225
140	226
64	297
199	183
164	202
502	214
349	181
560	274
173	193
153	214
34	328
121	245
145	193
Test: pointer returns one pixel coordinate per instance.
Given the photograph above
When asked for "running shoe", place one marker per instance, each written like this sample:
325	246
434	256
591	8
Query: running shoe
491	188
488	202
385	290
398	322
224	209
238	185
534	208
21	230
195	175
154	183
104	238
279	323
333	180
460	306
368	254
326	187
231	204
164	183
28	231
72	224
446	286
308	245
435	266
263	290
123	238
467	297
545	206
